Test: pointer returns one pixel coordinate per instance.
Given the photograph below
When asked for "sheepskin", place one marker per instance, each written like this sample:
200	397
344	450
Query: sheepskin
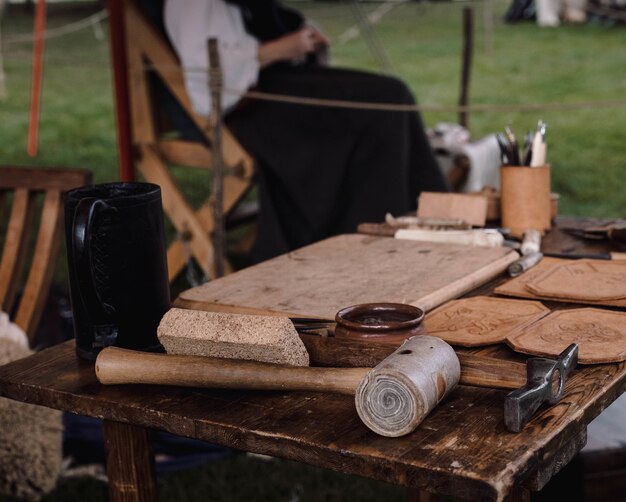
31	437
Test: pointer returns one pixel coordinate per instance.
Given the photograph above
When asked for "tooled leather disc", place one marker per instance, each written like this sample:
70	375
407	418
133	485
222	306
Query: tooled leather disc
600	335
592	280
482	320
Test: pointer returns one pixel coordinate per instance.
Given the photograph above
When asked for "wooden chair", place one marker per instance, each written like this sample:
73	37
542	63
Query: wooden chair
36	199
149	54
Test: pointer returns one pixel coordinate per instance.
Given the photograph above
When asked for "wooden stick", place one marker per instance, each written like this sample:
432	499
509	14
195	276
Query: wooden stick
466	70
215	86
37	78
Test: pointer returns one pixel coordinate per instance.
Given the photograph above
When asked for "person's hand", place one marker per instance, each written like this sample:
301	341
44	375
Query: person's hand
318	36
292	47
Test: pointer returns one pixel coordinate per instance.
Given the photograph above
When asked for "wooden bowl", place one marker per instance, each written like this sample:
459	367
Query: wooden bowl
380	322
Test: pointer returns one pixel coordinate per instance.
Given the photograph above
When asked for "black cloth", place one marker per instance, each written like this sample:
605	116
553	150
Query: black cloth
324	170
268	19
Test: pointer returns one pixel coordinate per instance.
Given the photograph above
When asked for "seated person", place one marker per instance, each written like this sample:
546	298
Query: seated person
321	170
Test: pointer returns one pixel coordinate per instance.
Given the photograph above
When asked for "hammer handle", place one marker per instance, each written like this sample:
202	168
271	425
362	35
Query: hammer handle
121	366
476	370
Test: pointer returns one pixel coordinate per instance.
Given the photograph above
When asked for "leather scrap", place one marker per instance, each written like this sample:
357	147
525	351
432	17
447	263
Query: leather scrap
482	320
600	335
580	280
516	287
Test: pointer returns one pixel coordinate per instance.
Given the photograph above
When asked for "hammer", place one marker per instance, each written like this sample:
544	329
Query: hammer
544	383
545	379
391	399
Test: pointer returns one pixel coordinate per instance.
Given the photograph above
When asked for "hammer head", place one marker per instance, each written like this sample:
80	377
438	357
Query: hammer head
545	381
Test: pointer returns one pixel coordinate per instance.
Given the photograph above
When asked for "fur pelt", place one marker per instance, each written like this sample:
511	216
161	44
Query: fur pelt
30	439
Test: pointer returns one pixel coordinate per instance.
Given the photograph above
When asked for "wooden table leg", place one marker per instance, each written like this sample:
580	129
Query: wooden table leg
130	463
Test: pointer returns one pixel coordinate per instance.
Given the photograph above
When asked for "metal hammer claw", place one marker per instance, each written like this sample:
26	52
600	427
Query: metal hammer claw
545	380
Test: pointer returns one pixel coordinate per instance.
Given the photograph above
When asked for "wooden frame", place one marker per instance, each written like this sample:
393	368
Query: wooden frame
146	51
25	185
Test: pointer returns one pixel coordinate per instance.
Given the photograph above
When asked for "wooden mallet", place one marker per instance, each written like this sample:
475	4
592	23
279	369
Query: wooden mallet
391	399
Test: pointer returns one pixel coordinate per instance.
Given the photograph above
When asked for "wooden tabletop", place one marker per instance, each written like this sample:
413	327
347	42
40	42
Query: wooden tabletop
461	449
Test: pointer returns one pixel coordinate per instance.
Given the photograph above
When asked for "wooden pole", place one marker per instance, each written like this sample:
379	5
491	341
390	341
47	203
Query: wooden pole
215	88
117	34
468	47
37	78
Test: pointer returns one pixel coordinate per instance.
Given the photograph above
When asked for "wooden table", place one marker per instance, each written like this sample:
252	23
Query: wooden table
461	449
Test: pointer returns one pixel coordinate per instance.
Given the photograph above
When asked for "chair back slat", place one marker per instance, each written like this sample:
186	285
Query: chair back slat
42	265
28	261
15	246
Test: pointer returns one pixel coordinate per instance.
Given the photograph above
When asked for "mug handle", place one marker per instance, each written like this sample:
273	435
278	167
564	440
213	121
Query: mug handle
105	331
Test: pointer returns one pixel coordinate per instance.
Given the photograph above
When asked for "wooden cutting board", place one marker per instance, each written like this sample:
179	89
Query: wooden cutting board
318	280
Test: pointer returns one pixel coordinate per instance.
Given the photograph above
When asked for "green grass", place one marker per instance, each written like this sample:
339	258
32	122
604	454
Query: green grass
528	65
77	120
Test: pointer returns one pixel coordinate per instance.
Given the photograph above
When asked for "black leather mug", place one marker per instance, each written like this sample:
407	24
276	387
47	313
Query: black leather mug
117	266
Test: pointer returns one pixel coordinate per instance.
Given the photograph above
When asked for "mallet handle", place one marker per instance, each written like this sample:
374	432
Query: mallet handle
121	366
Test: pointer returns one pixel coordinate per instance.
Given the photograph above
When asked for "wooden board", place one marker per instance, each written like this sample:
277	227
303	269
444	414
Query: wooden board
517	286
482	320
470	208
320	279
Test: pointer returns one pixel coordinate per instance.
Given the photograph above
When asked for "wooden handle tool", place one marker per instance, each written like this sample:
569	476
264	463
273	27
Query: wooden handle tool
476	370
122	366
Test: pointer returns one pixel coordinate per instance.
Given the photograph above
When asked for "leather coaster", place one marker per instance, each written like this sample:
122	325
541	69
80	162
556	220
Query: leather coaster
600	335
582	280
482	320
517	287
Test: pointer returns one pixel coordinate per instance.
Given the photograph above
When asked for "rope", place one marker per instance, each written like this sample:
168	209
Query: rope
61	30
391	107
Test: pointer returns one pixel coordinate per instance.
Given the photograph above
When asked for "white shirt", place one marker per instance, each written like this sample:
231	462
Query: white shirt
189	24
